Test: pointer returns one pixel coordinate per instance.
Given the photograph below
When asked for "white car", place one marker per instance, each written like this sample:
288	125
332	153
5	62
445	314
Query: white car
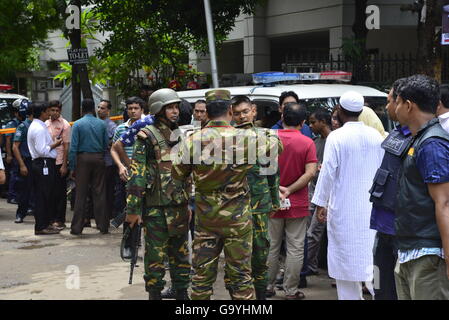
313	95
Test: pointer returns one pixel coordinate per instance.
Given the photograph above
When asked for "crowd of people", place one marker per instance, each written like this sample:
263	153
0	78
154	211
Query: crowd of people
382	198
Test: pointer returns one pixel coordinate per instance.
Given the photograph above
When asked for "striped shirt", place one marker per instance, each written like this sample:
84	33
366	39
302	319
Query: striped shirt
121	129
413	254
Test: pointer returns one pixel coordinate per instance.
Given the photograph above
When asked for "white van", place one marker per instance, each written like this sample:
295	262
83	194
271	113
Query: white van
312	95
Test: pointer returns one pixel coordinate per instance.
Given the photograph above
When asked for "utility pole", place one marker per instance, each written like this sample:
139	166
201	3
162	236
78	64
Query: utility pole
75	41
211	40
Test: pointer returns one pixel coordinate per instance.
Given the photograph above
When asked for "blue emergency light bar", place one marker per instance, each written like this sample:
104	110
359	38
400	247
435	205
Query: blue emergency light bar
272	77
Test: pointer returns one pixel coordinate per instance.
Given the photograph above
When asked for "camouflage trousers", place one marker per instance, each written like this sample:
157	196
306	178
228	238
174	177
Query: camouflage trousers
160	243
261	247
237	246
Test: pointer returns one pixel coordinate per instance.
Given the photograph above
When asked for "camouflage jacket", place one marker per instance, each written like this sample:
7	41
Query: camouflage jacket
150	177
220	157
264	189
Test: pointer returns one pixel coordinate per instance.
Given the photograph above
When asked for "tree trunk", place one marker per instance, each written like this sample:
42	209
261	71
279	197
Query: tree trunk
80	76
429	51
360	33
85	84
75	40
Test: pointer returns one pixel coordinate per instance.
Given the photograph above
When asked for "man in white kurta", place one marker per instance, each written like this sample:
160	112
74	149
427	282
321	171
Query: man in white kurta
352	156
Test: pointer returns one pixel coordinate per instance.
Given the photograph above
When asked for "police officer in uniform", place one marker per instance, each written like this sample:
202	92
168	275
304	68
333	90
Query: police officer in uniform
10	161
166	216
383	196
23	158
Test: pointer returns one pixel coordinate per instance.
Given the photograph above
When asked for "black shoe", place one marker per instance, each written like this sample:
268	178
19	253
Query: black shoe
115	224
18	220
260	294
302	282
270	293
128	254
154	295
168	293
181	294
12	201
75	233
311	273
46	231
30	212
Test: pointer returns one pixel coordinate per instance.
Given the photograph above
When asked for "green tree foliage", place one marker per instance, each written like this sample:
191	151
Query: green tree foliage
24	25
156	35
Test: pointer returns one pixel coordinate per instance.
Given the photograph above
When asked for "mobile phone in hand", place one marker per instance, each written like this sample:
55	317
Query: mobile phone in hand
60	134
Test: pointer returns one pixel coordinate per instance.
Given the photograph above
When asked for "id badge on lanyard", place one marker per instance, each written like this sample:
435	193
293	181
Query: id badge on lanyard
45	169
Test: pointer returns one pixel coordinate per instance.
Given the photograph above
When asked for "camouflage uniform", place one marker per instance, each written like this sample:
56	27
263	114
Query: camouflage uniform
222	207
264	193
165	219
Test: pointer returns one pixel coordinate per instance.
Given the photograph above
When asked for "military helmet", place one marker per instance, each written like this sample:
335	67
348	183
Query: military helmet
162	97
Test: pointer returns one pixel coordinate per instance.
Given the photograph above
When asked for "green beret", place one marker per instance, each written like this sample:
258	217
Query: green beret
213	95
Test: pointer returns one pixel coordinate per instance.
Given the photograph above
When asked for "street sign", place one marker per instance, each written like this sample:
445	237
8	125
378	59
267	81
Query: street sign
78	56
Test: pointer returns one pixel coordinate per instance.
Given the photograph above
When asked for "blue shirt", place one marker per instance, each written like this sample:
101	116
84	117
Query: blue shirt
89	134
21	136
14	123
305	130
432	160
129	136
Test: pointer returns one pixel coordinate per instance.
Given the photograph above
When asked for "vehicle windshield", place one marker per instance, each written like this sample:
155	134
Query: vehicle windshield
267	111
5	114
376	103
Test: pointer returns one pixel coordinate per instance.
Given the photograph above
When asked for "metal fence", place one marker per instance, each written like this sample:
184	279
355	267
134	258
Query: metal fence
378	70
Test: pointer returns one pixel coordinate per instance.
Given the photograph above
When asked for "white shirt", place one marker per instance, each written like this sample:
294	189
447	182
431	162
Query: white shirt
352	156
39	141
444	121
2	167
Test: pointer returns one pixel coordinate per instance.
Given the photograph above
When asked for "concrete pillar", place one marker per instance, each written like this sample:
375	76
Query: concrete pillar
256	46
336	36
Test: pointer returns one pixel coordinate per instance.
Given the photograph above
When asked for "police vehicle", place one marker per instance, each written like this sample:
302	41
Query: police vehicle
314	90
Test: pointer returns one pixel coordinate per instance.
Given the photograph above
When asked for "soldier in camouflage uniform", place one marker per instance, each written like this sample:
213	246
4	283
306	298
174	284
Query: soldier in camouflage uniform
264	192
222	215
164	200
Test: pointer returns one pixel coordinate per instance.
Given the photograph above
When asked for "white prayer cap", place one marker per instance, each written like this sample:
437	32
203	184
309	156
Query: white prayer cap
352	101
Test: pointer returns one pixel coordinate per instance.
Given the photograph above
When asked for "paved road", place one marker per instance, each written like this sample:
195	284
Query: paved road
45	267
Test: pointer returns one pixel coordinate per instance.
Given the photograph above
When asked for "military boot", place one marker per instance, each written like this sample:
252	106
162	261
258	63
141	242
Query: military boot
181	294
154	295
260	294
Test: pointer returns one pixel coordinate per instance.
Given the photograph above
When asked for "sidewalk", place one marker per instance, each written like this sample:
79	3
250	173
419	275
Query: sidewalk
46	267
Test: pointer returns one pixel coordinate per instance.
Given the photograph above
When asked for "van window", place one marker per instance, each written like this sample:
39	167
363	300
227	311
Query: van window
267	112
376	103
5	111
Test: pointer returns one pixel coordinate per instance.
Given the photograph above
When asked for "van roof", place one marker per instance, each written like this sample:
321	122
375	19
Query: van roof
11	96
304	91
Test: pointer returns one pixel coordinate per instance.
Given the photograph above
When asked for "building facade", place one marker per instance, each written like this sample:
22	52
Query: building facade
285	29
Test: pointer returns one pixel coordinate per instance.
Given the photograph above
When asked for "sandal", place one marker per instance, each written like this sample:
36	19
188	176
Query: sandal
297	296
